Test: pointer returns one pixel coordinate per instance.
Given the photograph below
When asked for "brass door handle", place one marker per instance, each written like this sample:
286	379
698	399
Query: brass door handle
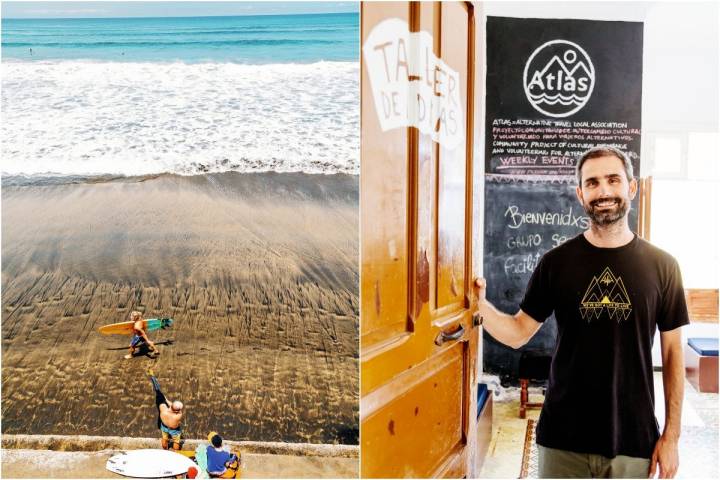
447	337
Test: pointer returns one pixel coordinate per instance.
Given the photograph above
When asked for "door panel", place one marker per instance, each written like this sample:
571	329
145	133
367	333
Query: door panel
384	249
419	345
390	431
453	166
426	207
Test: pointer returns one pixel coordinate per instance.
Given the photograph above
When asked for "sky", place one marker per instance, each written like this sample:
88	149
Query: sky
51	9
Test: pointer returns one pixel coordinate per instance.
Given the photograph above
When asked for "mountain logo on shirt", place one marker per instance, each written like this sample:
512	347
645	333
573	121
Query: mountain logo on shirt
606	292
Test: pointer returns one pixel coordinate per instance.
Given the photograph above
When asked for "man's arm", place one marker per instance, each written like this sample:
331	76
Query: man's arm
512	330
145	337
673	371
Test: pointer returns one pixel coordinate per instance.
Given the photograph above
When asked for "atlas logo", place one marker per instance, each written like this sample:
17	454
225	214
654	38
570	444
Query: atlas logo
559	78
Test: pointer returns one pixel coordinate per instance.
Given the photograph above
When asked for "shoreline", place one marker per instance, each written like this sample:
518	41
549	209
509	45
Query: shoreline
51	178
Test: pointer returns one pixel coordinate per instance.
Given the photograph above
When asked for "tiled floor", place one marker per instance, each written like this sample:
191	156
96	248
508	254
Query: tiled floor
698	442
506	446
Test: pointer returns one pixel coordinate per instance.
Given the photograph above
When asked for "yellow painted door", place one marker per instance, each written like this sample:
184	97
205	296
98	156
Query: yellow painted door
418	342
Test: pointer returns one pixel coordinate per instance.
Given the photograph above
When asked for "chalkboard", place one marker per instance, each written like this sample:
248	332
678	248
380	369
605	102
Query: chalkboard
524	219
554	89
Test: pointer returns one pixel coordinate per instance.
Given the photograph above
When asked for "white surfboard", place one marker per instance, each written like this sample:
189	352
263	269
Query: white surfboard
149	463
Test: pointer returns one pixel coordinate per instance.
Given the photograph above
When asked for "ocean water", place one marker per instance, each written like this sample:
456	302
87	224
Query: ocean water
243	39
180	95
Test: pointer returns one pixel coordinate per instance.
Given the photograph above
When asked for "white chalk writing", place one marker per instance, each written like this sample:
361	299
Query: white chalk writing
515	264
517	218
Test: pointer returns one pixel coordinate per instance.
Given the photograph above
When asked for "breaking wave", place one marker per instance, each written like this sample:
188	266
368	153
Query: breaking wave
94	118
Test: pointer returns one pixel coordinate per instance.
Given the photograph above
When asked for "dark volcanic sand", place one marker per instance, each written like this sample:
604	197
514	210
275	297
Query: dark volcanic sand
260	272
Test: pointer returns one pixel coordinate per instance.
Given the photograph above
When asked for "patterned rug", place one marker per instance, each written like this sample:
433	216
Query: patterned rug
529	466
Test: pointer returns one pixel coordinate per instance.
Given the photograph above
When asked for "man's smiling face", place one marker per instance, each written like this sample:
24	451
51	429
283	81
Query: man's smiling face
605	191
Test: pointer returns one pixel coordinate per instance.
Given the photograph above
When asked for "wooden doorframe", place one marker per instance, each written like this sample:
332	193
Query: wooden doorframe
432	200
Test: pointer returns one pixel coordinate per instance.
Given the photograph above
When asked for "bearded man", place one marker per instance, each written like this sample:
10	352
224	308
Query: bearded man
610	291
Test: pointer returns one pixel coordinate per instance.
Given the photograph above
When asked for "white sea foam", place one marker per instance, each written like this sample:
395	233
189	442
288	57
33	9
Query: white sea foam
89	118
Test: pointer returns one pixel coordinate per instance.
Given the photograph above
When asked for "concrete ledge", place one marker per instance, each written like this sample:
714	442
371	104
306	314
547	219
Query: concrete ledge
87	443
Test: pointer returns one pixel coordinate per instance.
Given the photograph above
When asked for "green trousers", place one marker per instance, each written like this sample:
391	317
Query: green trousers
554	463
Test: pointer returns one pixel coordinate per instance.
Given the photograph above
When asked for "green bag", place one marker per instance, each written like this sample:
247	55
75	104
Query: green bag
201	460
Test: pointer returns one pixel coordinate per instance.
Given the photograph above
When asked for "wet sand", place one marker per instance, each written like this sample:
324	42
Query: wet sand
260	272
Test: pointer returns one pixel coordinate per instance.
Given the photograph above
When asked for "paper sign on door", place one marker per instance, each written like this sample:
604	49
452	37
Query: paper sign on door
410	85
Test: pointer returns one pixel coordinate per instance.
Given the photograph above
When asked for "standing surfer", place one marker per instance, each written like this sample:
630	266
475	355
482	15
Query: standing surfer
139	336
169	416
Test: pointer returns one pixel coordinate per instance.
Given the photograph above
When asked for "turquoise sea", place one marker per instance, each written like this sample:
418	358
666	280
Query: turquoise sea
241	39
137	96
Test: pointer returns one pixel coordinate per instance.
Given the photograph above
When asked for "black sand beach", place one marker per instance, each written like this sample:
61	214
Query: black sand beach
260	272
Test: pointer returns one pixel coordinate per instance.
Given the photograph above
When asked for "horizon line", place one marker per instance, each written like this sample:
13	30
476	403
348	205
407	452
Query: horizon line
181	16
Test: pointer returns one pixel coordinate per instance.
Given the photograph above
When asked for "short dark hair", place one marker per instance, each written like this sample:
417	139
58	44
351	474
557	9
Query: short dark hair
217	441
604	151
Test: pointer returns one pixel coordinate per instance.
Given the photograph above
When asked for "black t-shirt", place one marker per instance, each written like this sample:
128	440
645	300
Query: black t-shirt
607	302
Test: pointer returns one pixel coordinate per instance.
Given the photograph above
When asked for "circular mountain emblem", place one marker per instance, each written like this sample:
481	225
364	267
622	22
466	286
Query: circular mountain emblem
559	78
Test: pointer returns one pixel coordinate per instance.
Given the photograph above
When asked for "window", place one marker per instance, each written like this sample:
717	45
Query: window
685	205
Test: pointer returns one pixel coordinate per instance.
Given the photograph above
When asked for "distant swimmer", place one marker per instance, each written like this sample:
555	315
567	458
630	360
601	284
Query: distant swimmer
31	52
169	416
139	338
220	462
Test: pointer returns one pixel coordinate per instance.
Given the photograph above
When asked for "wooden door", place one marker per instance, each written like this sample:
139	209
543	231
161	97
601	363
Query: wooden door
418	349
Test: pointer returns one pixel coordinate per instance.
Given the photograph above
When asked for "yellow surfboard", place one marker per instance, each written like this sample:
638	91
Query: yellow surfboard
126	328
